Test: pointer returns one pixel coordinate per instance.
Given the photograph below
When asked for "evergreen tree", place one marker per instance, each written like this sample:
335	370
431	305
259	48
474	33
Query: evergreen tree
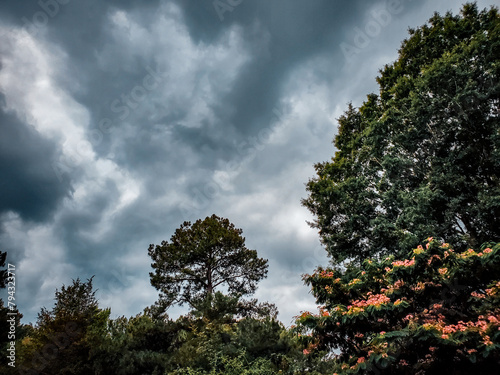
63	337
202	257
422	157
139	345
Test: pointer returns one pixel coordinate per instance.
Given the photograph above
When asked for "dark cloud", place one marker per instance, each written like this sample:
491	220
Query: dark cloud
29	185
288	31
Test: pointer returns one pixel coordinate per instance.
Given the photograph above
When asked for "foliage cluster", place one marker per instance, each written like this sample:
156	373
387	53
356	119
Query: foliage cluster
422	158
202	256
436	311
419	159
76	337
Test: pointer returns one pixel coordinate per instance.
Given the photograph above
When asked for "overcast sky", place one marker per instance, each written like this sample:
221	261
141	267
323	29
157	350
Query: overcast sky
121	119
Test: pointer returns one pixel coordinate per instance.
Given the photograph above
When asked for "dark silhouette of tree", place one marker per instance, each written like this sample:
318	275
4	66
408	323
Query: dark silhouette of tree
63	337
201	258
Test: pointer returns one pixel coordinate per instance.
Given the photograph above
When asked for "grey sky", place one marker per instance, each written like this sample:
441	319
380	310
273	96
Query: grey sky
121	119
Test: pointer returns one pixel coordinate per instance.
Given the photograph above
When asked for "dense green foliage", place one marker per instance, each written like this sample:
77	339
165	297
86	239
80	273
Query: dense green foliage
434	312
422	157
62	340
76	337
201	257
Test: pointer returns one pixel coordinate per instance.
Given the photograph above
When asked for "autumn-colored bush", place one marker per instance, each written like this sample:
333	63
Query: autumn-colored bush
437	311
